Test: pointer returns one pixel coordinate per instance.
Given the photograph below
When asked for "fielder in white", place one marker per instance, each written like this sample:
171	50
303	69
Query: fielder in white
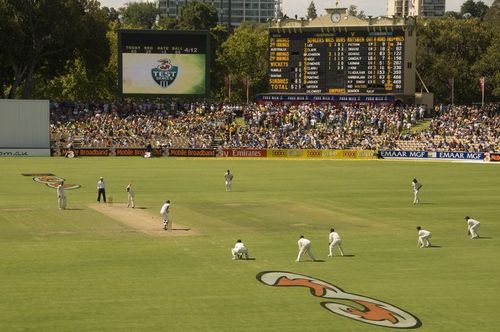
61	196
416	188
164	214
472	226
423	237
334	240
130	196
228	180
304	248
239	250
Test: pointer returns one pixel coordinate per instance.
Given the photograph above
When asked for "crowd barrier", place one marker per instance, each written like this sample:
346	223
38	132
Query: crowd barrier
286	154
224	153
445	155
322	154
493	157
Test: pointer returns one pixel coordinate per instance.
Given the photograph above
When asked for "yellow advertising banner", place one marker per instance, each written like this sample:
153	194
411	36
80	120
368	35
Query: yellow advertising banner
321	154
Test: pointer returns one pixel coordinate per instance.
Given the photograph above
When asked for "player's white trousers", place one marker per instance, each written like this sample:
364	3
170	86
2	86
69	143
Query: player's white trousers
336	243
473	231
305	250
62	202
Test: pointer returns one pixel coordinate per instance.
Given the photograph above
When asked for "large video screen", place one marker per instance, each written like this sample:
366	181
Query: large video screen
158	63
344	62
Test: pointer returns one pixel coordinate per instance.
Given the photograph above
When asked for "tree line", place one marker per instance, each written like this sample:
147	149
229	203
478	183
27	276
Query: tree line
67	49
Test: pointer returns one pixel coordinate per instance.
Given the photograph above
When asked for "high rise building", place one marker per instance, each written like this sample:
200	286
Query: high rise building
427	8
236	11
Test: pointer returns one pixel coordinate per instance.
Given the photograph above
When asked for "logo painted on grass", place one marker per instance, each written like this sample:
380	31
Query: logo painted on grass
353	306
53	181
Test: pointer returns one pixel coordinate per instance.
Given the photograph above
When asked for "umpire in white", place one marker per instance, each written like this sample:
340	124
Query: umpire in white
101	190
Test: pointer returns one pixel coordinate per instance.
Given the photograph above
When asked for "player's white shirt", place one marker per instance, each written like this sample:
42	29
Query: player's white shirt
164	208
60	191
416	185
471	222
130	191
228	176
100	184
333	237
303	242
239	246
423	233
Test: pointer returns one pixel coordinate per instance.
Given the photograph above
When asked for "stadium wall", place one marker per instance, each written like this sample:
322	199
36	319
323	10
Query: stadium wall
24	128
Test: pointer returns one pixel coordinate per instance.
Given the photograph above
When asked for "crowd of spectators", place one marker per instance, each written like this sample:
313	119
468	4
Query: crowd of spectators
198	125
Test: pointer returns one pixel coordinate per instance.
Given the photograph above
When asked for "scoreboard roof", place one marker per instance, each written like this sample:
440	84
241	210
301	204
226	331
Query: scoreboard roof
337	19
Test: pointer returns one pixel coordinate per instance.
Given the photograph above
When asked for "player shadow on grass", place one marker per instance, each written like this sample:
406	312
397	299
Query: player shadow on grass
315	261
73	209
483	238
180	229
434	246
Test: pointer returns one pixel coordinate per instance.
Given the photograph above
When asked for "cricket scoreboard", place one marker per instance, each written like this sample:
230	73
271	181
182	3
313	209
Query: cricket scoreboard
159	63
343	62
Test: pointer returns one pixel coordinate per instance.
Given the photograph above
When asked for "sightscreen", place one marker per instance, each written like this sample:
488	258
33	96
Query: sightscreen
157	63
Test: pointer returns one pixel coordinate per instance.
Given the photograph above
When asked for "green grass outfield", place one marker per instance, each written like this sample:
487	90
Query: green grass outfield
78	270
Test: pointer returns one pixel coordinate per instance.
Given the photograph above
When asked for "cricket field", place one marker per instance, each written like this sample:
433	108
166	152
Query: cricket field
103	267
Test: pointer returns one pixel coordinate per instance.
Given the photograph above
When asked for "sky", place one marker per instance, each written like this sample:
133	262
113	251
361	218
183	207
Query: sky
299	7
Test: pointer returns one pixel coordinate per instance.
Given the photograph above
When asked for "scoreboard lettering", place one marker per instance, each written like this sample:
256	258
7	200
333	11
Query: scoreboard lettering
337	63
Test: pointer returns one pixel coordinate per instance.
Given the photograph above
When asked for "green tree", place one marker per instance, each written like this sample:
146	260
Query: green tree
452	14
311	11
44	34
449	48
139	14
77	82
475	9
198	15
488	65
219	35
244	55
111	13
493	13
353	11
166	23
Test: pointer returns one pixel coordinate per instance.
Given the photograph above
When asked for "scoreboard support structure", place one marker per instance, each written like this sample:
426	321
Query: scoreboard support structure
340	58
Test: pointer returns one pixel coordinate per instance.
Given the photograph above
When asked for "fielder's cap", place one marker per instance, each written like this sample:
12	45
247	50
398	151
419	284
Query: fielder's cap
101	178
467	217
